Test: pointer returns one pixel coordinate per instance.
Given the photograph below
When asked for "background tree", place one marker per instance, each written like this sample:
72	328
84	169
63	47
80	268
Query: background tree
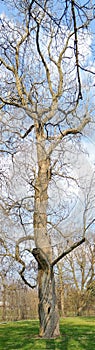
76	279
43	105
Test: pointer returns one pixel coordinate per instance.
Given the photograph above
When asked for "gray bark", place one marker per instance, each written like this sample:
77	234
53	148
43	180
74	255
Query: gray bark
48	311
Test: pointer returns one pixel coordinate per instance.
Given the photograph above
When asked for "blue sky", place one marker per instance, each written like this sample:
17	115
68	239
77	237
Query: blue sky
3	8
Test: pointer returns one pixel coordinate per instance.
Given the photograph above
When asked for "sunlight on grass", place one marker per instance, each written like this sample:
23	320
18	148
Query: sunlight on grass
77	333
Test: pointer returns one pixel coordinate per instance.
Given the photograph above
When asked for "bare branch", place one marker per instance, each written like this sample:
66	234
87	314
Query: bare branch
69	250
21	272
66	132
44	62
28	131
76	47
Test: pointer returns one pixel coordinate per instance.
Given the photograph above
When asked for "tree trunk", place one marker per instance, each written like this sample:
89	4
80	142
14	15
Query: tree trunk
60	288
48	311
4	302
83	303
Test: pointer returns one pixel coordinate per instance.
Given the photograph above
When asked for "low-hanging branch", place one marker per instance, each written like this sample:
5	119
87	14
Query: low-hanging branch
69	250
21	272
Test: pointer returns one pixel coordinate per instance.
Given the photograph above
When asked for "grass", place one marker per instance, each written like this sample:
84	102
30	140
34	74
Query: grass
77	333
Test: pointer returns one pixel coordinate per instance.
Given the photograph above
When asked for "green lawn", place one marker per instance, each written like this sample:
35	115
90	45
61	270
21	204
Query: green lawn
77	333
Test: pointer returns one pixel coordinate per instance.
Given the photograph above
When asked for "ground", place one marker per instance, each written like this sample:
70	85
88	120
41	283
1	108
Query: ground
77	333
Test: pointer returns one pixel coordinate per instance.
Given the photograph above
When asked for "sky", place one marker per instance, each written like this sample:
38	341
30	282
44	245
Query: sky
4	9
88	142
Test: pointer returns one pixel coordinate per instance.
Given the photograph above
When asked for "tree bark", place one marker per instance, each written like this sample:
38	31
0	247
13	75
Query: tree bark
48	311
60	290
4	302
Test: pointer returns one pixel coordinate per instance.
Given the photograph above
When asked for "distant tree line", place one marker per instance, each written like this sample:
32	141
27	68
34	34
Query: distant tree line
18	302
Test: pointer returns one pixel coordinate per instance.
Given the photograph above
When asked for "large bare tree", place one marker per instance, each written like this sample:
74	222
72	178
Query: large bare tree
46	60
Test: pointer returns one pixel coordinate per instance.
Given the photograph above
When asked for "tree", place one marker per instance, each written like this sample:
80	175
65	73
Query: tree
43	48
78	276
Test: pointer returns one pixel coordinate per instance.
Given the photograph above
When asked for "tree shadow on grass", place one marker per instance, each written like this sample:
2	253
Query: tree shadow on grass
57	344
78	337
24	336
18	335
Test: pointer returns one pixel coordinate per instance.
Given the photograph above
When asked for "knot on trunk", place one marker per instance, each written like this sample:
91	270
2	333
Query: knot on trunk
41	258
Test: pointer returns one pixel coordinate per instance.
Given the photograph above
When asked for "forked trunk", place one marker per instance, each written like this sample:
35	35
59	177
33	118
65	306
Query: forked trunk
48	311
